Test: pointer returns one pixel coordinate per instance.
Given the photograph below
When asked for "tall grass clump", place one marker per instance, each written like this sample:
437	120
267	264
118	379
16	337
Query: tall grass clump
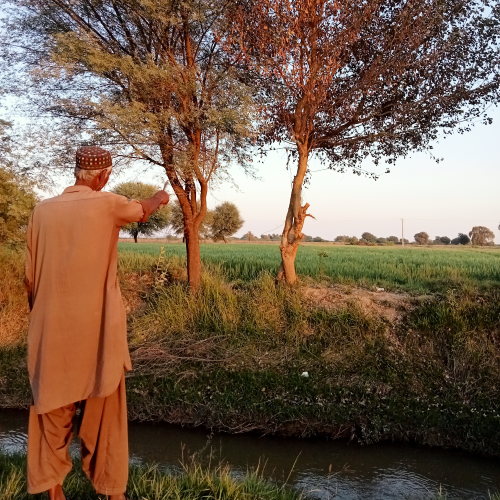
13	300
149	482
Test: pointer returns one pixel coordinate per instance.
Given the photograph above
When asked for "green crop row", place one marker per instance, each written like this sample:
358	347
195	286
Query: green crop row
415	270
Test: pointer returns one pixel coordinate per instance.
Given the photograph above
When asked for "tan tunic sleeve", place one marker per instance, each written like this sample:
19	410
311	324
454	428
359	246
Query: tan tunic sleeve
127	211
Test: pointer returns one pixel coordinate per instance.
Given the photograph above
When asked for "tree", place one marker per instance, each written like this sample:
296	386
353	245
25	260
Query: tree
344	80
461	239
265	237
318	239
381	241
445	240
341	239
351	240
177	225
249	236
157	220
148	78
226	221
17	201
371	238
481	235
393	239
422	238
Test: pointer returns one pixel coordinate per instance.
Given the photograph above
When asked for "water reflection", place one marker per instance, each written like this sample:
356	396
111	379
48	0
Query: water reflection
325	469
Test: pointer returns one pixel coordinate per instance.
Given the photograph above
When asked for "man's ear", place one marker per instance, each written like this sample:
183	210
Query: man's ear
103	177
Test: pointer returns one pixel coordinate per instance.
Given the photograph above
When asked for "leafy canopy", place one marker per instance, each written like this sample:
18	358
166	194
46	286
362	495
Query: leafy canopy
226	221
157	220
17	201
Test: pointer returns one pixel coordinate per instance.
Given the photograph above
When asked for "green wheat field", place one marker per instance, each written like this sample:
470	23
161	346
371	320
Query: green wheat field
411	269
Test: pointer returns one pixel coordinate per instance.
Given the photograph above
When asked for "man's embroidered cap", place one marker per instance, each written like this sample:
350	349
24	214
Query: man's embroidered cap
93	158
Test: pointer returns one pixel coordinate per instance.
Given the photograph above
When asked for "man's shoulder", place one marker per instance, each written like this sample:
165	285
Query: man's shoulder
74	196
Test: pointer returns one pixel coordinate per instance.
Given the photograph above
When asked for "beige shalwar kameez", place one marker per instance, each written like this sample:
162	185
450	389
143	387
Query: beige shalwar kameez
77	340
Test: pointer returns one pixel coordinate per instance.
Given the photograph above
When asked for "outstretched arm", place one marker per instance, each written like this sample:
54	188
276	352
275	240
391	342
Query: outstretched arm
152	204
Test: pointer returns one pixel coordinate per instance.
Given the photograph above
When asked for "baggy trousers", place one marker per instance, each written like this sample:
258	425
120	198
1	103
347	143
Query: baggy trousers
102	427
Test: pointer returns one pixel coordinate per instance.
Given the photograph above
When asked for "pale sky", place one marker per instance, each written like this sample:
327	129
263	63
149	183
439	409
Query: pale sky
442	199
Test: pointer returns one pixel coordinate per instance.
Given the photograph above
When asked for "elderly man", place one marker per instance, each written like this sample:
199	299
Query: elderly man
77	340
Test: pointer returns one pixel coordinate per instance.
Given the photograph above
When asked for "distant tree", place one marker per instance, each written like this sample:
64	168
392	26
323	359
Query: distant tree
17	200
481	235
157	220
461	239
265	237
369	237
275	237
249	236
422	238
318	239
394	239
226	221
381	241
441	240
405	241
351	240
340	239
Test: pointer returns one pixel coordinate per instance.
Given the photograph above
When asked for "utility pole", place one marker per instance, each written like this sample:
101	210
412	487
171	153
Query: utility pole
402	233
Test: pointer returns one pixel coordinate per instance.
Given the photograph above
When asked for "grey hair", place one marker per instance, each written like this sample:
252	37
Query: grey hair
87	175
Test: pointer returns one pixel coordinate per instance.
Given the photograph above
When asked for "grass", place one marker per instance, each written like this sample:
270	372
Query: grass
420	368
415	270
149	482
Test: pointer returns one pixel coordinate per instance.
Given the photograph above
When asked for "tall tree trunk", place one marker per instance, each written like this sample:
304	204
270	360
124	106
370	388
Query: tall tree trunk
135	236
193	257
295	218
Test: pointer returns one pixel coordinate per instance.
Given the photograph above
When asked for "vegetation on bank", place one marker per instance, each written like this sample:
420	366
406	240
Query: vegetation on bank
149	482
380	366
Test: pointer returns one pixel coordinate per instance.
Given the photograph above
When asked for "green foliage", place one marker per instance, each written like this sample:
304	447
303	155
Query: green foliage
17	200
177	221
157	220
461	239
431	375
226	221
414	270
371	238
442	240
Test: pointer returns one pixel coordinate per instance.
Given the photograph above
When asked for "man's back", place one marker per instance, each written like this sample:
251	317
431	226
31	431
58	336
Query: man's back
77	346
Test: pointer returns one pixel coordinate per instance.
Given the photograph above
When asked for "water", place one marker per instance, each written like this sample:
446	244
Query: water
324	469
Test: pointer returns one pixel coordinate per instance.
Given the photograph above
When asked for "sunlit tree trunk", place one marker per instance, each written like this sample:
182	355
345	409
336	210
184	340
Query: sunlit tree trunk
295	218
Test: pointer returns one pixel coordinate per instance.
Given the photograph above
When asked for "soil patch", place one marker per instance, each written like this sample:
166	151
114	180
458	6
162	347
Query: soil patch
388	305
